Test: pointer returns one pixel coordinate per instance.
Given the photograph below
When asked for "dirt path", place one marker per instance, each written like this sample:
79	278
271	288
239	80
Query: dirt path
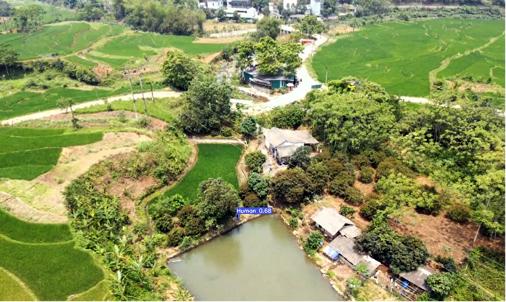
41	199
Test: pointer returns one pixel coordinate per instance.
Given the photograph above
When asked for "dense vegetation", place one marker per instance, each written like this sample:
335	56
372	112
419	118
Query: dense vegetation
27	153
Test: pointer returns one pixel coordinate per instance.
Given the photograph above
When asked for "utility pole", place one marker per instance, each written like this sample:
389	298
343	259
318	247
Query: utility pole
133	95
326	75
143	98
152	94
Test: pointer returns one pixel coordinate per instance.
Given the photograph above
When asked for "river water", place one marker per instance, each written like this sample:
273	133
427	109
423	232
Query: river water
259	260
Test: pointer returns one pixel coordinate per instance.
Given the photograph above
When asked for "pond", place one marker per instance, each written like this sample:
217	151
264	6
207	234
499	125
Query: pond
259	260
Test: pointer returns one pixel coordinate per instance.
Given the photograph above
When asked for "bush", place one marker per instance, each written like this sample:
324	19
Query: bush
179	70
175	236
252	200
448	263
255	160
291	116
248	127
162	211
428	204
353	196
441	284
459	212
143	122
294	223
372	207
300	158
366	175
360	161
391	165
258	184
347	211
319	176
338	186
313	242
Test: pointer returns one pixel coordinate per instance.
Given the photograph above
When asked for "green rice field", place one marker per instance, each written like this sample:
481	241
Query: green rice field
214	161
27	153
401	55
47	263
58	39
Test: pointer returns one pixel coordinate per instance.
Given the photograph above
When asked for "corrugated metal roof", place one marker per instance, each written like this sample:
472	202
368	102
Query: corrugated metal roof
418	277
275	137
345	247
330	220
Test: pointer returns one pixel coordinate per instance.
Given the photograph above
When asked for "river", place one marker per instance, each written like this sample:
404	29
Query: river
259	260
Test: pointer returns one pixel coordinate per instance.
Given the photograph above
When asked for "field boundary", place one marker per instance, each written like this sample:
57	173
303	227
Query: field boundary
20	282
446	62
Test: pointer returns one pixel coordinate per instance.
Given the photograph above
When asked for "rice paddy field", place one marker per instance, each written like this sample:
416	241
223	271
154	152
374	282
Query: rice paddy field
27	153
214	161
401	55
40	261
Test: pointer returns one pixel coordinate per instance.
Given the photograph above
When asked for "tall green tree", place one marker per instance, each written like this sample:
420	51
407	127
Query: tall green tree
179	70
310	25
268	27
217	200
207	106
28	18
8	58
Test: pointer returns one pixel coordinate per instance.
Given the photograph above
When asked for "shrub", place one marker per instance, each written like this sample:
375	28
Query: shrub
217	199
340	167
319	176
191	221
291	116
366	175
441	284
338	186
179	70
360	161
162	211
391	165
258	184
448	263
175	236
347	211
143	122
353	196
248	127
428	203
251	200
255	160
372	207
294	223
459	212
375	157
313	242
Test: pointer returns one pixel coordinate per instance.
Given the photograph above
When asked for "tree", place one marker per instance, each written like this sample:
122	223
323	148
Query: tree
245	54
5	9
248	127
255	160
401	253
28	18
268	27
441	284
309	25
291	116
313	242
236	17
259	5
221	15
351	122
217	199
68	104
179	70
207	106
372	7
8	58
119	9
274	58
91	11
300	158
291	186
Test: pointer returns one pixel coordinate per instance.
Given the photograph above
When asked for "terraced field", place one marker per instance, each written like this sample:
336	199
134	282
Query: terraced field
400	56
41	260
27	153
214	161
59	39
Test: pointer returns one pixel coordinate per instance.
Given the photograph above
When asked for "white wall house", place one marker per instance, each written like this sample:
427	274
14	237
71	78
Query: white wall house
212	4
316	6
245	13
289	4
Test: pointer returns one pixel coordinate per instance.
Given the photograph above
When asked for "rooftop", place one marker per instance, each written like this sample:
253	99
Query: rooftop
345	247
418	277
330	220
275	137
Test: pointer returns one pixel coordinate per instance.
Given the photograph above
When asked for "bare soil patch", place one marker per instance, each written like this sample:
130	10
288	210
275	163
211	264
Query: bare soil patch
443	236
102	70
45	193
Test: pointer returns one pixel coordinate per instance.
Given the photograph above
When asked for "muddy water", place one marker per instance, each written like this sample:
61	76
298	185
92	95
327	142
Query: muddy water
258	261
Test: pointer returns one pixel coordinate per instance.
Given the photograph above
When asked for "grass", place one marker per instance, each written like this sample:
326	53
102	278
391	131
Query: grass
11	289
81	62
27	153
52	271
400	55
214	161
58	39
163	109
23	231
52	13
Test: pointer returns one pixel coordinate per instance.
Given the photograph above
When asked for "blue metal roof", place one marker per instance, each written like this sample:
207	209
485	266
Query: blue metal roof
331	253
